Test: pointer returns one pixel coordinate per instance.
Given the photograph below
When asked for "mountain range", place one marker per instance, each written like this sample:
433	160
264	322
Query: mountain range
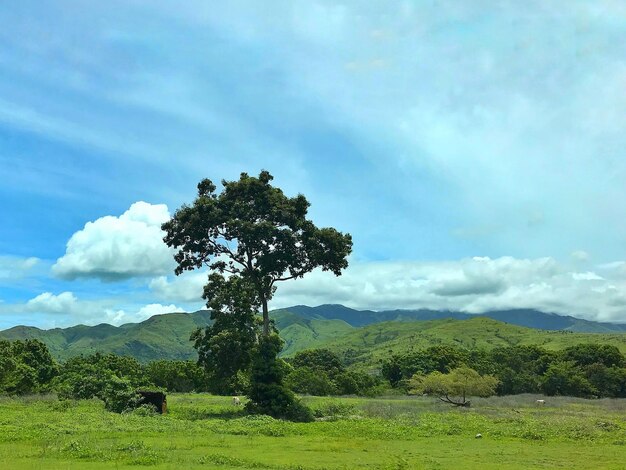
360	336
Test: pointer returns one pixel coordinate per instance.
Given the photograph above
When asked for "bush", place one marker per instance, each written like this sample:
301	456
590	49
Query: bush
356	383
119	395
565	378
310	382
177	376
25	367
268	395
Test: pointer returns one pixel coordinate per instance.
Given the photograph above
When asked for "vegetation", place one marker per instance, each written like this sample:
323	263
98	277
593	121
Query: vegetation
25	367
202	431
251	230
454	387
321	372
583	370
251	237
167	337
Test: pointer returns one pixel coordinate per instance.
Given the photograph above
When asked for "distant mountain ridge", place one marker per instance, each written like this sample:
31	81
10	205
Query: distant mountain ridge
301	327
521	317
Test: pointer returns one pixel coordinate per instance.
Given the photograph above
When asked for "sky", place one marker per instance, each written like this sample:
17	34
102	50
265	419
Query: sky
475	150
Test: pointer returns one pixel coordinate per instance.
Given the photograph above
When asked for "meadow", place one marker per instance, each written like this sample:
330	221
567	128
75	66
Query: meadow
203	431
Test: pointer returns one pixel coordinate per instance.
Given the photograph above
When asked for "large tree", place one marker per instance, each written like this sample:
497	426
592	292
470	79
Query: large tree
251	237
252	230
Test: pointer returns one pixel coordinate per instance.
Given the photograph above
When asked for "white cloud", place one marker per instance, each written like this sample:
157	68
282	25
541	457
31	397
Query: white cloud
118	317
66	309
47	302
14	267
588	276
187	287
115	248
580	255
471	285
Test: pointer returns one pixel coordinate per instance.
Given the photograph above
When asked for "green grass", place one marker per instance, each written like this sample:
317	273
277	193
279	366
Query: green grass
206	432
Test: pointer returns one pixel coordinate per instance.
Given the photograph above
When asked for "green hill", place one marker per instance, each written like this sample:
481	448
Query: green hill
305	333
167	336
159	337
365	347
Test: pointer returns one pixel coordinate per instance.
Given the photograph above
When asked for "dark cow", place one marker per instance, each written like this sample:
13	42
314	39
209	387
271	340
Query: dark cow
157	399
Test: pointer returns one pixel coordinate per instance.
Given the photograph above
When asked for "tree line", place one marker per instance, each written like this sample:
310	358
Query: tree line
27	367
583	370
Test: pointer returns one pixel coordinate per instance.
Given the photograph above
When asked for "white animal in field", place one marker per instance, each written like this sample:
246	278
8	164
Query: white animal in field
479	436
236	401
541	402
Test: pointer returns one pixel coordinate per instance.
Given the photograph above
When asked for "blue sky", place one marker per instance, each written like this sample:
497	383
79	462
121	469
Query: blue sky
474	150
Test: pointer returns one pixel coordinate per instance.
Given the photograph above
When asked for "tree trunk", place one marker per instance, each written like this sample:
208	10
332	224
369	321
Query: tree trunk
266	318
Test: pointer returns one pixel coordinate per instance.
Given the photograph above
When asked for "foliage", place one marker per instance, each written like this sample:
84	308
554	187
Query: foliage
565	378
310	381
357	383
519	368
588	354
225	348
608	381
25	367
319	359
113	379
456	386
321	372
527	369
251	236
433	359
177	376
119	395
268	395
251	230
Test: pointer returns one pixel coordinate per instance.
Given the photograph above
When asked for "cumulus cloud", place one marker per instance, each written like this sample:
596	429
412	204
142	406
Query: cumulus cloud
187	287
472	285
116	248
47	302
67	309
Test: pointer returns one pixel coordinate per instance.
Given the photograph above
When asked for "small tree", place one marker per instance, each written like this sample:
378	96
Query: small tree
456	386
319	359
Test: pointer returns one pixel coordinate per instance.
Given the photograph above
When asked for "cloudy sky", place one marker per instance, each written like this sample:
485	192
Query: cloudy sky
476	151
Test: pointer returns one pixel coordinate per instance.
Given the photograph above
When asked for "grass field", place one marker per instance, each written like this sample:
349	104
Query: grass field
203	431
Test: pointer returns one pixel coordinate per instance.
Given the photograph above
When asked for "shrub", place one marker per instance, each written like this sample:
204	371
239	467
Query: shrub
565	378
268	395
311	382
119	395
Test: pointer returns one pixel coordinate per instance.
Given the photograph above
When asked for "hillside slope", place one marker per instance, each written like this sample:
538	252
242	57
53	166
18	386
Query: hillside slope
361	337
365	347
161	336
521	317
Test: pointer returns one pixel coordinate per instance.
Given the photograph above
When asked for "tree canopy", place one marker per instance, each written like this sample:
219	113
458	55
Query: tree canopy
456	386
252	230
